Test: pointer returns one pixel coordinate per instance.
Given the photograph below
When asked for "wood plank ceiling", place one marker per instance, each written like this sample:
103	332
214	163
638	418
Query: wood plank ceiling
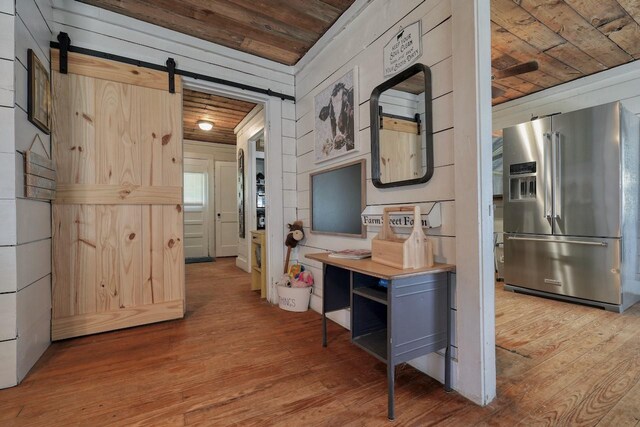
568	38
225	113
280	30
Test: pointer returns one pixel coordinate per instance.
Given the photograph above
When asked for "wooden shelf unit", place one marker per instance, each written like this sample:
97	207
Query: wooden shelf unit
258	259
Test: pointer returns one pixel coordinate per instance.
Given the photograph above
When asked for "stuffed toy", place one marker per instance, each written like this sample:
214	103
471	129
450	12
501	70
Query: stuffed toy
296	234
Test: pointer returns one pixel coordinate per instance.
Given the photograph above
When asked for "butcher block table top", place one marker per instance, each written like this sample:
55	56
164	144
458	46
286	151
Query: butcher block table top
367	266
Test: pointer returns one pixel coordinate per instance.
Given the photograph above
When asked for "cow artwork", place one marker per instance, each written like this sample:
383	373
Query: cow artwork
334	123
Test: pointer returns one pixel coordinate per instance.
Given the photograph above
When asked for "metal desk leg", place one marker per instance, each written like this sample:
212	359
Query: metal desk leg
324	307
324	330
447	352
391	370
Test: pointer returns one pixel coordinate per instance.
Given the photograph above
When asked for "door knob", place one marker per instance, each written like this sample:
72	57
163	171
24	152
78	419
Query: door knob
218	214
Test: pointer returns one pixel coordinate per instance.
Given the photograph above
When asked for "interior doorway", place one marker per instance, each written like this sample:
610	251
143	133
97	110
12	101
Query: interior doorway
210	174
271	110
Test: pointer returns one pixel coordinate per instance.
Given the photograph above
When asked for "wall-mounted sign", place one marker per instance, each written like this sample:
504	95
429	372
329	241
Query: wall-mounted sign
403	49
402	223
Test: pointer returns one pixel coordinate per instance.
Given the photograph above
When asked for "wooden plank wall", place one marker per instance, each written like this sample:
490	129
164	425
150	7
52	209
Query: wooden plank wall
360	45
25	243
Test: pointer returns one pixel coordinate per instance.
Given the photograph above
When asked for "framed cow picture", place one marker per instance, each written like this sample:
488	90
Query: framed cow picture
336	116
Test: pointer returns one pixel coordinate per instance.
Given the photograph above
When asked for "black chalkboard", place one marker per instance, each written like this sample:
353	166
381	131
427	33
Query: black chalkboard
338	199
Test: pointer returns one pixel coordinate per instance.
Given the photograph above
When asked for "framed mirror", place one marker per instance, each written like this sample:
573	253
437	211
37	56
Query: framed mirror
402	129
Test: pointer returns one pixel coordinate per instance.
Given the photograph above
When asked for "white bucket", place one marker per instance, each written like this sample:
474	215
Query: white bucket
294	299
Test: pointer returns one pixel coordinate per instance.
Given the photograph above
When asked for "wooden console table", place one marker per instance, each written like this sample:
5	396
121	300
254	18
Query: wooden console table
409	318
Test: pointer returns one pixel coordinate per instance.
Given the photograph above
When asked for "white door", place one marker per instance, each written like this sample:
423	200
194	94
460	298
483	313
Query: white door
196	209
226	209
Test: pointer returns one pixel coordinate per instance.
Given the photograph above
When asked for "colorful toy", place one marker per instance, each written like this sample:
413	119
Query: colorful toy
303	280
295	269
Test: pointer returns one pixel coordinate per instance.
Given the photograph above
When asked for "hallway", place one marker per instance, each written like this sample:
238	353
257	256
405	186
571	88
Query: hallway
233	359
238	360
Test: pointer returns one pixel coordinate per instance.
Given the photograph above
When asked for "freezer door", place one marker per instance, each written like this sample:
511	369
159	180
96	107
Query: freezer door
527	177
584	268
586	164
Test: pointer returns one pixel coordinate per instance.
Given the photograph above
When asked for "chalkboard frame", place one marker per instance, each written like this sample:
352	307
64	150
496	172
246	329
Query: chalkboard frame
363	197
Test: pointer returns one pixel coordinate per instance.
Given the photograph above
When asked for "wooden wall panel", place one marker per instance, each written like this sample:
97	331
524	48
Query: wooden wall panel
117	247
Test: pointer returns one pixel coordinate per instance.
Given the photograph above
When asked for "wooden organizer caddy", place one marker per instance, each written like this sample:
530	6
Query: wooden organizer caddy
387	248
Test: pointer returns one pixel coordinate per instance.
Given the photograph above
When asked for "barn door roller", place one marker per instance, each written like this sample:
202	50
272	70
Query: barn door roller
65	42
171	69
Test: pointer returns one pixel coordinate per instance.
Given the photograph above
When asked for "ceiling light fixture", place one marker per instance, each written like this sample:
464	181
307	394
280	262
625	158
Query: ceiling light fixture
205	125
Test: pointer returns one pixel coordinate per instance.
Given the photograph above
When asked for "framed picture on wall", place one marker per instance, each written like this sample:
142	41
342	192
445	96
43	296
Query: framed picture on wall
336	117
38	94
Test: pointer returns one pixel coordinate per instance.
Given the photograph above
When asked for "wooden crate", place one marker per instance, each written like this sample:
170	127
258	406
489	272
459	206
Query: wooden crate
387	248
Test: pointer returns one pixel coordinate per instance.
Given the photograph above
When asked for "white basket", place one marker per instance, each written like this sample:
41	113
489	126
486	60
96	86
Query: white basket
294	299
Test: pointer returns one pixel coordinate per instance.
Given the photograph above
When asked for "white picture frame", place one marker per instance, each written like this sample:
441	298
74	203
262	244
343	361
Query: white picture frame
336	118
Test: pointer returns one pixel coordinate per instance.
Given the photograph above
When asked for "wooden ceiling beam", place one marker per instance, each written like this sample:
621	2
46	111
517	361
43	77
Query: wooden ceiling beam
564	20
254	17
201	106
612	20
520	84
504	41
279	30
225	113
216	106
570	54
625	32
598	12
282	11
633	9
515	19
199	114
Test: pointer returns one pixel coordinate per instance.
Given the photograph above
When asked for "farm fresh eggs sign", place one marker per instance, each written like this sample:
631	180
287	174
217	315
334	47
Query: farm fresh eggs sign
403	49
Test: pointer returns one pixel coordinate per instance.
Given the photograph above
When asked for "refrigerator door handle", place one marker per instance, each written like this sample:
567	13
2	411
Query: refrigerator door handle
547	181
557	176
574	242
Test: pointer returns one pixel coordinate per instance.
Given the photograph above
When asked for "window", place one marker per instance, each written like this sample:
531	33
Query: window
194	188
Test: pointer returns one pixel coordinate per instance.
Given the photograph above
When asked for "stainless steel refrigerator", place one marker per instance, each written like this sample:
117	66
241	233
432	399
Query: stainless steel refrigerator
571	207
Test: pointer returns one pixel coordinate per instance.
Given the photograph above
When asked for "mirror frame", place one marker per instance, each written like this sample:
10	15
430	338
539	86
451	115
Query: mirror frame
427	126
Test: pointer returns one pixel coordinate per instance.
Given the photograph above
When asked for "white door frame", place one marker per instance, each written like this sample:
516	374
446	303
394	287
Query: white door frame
274	211
475	282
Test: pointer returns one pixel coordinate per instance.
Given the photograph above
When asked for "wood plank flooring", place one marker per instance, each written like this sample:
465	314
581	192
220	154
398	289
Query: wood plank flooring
236	360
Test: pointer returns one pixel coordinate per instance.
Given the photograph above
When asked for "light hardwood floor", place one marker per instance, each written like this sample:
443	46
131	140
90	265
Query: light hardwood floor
237	360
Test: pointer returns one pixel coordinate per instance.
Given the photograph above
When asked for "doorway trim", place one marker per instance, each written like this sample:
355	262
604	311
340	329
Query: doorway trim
274	212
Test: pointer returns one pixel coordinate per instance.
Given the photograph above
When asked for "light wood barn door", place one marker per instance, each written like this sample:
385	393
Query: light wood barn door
118	256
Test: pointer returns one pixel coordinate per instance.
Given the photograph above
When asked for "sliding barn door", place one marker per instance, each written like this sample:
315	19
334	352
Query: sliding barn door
118	257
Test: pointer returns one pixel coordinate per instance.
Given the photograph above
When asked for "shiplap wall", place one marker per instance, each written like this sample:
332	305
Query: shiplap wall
8	366
361	46
26	237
